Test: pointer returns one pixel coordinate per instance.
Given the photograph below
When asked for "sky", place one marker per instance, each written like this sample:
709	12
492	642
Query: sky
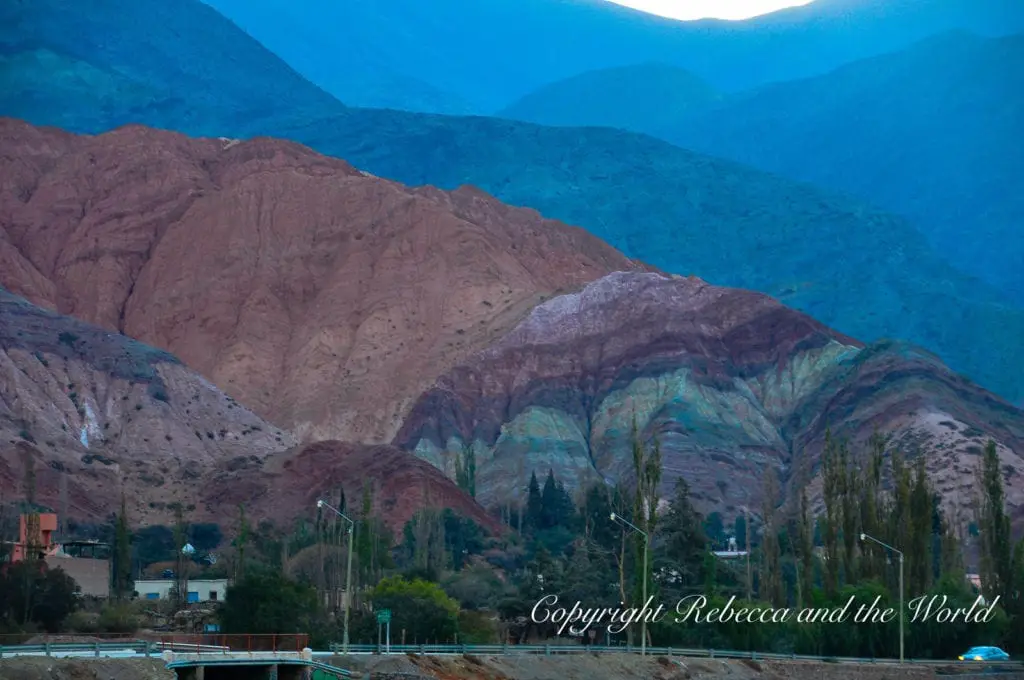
710	9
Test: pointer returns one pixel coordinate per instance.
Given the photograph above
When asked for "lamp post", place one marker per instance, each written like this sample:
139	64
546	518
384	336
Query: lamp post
348	572
643	623
865	537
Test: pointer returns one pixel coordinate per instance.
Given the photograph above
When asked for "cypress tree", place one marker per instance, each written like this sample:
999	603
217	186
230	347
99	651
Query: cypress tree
534	506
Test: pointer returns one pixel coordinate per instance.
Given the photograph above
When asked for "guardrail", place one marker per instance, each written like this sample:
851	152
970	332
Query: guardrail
97	648
241	642
149	648
214	654
553	650
136	646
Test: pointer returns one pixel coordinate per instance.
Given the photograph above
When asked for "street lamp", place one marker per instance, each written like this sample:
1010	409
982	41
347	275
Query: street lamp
348	575
865	537
643	622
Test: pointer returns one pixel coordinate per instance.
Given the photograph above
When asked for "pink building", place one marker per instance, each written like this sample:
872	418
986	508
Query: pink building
42	541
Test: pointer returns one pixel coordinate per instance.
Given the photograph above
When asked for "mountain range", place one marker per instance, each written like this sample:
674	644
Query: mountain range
412	323
378	289
926	133
450	56
858	269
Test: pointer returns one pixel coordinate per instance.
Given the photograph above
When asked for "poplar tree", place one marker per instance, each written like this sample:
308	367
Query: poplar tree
805	543
920	547
122	554
241	541
771	589
871	504
647	470
832	488
180	559
850	486
994	526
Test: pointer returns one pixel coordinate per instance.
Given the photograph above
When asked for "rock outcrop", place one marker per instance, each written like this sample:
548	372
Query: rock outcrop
732	384
323	298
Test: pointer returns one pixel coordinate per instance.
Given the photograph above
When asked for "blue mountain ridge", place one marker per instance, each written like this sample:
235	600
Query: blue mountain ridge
929	133
862	271
932	133
485	54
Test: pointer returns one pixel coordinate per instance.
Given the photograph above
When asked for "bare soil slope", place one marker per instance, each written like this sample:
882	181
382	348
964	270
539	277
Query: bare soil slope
26	668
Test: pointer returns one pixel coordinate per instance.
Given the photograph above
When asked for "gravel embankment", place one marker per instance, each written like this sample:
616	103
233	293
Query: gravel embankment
525	667
629	667
40	668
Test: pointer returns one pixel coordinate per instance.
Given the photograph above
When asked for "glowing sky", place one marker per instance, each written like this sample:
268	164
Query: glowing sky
705	9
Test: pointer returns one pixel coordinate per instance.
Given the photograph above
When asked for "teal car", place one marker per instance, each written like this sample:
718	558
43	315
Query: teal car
984	654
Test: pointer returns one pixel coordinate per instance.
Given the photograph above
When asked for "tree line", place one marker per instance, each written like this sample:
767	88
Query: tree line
446	579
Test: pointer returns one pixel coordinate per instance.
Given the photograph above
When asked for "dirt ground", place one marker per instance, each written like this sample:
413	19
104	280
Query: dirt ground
525	667
41	668
614	667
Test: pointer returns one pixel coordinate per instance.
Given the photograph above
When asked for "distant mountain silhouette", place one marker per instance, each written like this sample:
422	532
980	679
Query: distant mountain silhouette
489	53
862	271
933	133
649	98
90	65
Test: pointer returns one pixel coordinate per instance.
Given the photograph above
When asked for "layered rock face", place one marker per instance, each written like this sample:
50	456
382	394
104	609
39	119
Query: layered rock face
93	413
323	298
731	383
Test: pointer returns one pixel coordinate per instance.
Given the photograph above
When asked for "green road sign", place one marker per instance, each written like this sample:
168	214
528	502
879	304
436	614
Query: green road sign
383	615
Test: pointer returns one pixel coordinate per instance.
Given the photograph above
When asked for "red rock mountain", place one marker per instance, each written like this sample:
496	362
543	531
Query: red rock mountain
321	297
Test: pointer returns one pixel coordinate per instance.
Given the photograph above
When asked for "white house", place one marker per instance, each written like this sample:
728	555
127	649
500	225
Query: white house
199	590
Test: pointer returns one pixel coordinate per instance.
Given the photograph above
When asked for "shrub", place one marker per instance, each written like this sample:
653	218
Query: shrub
83	622
118	617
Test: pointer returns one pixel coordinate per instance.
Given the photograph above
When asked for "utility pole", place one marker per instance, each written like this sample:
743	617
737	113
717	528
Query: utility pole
901	608
746	525
348	575
865	537
643	620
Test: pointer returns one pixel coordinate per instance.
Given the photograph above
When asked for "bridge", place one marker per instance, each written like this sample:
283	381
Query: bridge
234	665
244	657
